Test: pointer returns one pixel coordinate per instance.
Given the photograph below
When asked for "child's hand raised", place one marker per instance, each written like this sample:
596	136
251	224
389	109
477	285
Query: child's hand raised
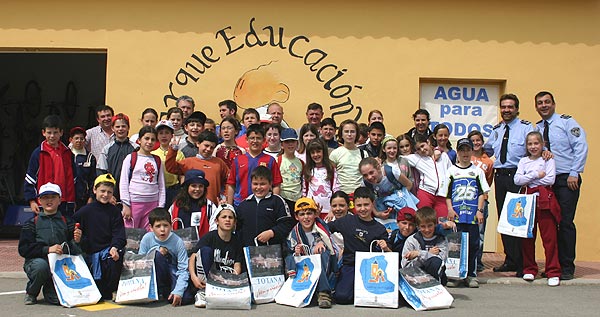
175	142
434	250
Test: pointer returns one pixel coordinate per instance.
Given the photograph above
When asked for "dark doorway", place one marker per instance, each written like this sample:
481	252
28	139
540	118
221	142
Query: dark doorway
33	84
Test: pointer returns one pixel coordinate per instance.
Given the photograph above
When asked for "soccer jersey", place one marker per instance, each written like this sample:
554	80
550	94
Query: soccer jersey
465	186
242	168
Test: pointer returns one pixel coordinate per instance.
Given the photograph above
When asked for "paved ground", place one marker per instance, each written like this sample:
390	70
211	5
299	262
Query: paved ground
488	300
578	297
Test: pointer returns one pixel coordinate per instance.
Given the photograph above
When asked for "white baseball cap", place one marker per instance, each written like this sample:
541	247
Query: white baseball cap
49	189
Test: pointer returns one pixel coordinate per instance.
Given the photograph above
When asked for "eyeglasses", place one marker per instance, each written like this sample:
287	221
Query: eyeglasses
254	139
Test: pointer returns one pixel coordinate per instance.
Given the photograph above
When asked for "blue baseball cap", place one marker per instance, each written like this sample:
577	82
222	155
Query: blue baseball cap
195	177
289	134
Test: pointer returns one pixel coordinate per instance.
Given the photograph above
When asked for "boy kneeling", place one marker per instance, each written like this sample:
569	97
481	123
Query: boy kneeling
312	233
171	261
46	233
426	249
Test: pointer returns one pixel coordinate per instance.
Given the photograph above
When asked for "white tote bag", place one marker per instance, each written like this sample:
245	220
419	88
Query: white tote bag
265	270
375	277
422	291
298	291
73	282
225	290
518	215
137	283
457	263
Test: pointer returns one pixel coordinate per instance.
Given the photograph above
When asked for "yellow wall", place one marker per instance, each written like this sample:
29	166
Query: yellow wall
386	47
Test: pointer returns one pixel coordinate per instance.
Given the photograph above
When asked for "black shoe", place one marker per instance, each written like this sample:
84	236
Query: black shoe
566	276
505	268
519	274
480	268
543	274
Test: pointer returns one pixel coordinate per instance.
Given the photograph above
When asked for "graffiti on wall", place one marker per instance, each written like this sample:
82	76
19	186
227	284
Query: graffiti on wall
317	61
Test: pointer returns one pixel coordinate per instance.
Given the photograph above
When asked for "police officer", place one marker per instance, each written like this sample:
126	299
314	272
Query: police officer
565	138
507	144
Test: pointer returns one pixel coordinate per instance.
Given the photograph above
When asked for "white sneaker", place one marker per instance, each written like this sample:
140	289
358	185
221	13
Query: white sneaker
529	277
200	299
553	281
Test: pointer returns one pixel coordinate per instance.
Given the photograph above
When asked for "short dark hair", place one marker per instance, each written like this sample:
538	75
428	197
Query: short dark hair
542	94
159	214
314	106
275	126
249	111
231	105
421	138
377	126
52	121
421	111
512	97
186	98
208	136
262	172
328	121
364	192
196	116
426	215
256	128
147	129
340	194
149	110
101	108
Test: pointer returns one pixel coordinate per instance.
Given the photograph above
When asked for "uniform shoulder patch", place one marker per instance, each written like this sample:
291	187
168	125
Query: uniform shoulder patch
539	122
525	122
576	132
497	126
565	116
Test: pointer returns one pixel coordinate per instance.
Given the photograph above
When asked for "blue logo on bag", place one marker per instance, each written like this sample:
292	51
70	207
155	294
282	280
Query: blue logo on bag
66	271
374	278
516	211
302	280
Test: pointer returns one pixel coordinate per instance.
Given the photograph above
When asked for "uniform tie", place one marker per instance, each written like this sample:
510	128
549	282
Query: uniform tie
546	138
504	147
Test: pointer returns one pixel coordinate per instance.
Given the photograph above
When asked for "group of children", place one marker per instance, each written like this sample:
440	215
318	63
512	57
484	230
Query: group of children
241	193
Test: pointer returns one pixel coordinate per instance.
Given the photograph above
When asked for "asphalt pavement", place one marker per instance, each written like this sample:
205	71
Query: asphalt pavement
488	300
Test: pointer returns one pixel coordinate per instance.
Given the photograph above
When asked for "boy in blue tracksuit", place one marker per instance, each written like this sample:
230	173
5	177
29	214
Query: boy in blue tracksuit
171	261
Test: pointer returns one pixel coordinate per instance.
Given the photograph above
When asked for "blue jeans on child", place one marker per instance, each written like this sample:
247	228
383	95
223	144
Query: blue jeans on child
166	277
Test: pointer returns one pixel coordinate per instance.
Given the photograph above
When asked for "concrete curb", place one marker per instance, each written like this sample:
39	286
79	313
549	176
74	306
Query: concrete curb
13	275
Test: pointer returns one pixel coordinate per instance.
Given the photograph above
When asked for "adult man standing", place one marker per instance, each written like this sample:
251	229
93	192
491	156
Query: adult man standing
314	114
421	118
98	137
565	138
507	144
186	104
275	111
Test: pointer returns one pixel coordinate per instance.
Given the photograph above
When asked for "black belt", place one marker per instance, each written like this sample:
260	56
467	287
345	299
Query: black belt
506	171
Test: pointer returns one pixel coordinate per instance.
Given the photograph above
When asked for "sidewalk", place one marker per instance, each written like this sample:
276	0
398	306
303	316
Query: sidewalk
11	265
